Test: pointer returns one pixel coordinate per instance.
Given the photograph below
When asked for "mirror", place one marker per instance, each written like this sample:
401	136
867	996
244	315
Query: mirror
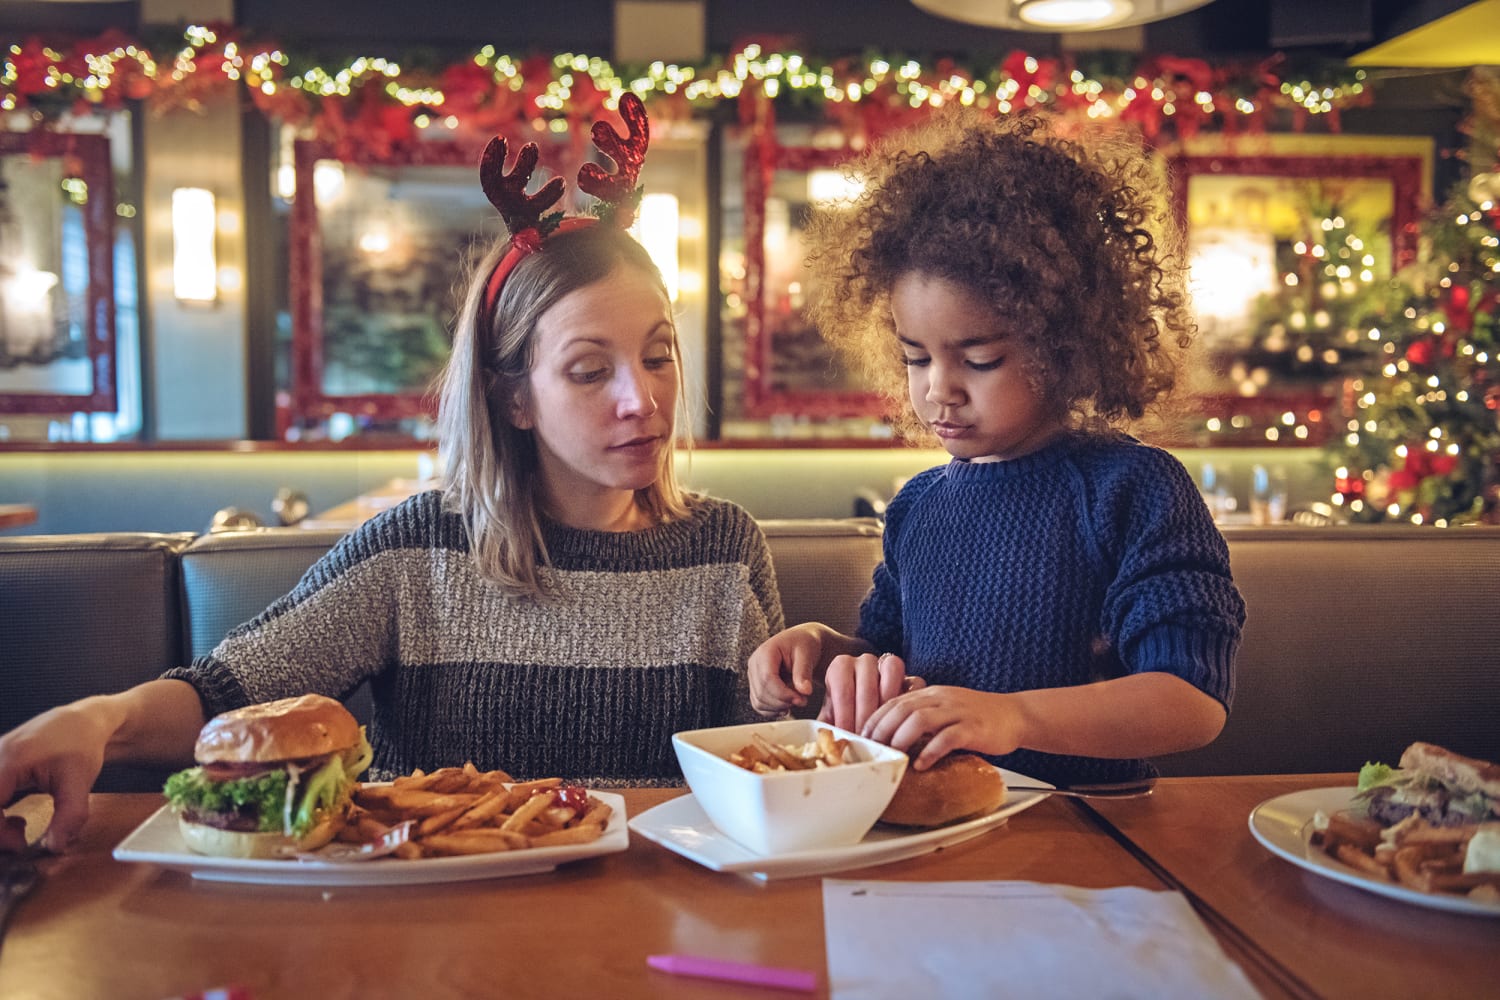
57	299
789	371
1289	253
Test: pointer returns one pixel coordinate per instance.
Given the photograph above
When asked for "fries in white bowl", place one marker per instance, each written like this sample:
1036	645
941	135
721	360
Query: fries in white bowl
798	799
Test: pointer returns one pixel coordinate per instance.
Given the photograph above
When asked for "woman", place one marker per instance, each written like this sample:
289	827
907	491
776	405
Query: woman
560	607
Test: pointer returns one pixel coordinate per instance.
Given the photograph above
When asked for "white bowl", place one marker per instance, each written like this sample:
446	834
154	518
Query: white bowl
786	811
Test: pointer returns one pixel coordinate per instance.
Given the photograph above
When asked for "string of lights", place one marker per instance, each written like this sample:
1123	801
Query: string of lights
1162	94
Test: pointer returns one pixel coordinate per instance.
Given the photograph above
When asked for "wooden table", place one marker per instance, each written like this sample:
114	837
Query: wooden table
1332	939
16	515
96	927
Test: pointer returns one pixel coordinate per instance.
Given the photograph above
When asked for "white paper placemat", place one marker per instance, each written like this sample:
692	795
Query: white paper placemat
1019	939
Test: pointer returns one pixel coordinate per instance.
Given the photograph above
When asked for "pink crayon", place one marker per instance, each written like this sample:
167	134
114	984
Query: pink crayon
734	972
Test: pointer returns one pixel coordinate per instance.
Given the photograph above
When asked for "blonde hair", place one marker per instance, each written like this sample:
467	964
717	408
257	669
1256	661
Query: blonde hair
1070	239
490	466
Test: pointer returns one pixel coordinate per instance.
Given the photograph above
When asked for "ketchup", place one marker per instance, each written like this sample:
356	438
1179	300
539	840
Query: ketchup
574	797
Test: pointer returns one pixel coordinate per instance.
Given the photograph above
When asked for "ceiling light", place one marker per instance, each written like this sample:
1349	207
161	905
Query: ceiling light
1064	14
1058	15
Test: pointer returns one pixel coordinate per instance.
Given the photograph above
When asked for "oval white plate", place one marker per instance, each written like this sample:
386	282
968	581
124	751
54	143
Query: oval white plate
1283	826
681	825
158	841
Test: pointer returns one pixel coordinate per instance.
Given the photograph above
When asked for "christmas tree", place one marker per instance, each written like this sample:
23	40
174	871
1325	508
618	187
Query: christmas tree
1422	439
1422	435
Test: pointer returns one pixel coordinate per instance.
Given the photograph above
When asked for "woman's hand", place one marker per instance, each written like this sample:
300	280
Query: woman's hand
947	718
59	753
858	685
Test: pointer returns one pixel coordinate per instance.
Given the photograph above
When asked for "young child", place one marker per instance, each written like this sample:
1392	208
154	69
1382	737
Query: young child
559	608
1057	596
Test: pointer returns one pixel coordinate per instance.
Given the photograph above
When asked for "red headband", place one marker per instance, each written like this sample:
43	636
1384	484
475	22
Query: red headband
617	193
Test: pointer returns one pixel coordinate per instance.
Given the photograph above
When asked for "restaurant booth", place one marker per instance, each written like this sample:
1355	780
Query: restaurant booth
229	239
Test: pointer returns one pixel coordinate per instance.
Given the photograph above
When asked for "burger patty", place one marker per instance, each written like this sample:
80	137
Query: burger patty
1384	808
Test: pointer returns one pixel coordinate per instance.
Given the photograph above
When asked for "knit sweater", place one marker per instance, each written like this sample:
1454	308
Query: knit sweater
1092	558
645	633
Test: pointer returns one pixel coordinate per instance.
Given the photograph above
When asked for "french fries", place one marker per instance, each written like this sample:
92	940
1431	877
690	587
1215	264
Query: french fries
462	810
1413	854
762	756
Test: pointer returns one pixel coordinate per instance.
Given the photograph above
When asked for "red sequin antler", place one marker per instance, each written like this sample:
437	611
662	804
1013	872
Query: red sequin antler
618	191
507	192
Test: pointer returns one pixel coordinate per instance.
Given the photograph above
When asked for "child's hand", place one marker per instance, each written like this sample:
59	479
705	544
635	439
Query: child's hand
781	669
948	718
858	685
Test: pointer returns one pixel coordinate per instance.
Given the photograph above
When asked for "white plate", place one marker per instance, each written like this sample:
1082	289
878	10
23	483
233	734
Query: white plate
158	841
681	825
1283	825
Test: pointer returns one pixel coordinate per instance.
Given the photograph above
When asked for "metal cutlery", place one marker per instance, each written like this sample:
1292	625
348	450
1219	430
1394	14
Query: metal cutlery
1121	790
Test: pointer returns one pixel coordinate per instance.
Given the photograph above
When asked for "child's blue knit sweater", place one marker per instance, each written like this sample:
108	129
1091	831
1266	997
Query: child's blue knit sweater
1092	558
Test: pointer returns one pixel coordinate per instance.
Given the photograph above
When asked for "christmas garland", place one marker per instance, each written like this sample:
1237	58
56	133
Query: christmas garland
385	103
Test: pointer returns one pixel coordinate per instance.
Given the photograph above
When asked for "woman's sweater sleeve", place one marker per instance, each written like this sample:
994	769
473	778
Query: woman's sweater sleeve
335	628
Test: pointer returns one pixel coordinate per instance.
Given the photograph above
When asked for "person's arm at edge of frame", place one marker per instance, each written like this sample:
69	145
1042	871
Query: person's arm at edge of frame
62	751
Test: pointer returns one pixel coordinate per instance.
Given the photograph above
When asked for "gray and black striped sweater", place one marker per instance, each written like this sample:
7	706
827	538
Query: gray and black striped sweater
646	633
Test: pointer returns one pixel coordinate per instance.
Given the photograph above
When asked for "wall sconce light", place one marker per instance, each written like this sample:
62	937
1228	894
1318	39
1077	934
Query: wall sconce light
195	265
1228	270
656	226
829	188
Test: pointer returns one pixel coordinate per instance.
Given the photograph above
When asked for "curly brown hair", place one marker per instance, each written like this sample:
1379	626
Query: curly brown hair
1070	240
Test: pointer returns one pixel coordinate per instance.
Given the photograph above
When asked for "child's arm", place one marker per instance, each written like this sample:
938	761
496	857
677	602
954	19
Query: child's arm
783	667
1139	715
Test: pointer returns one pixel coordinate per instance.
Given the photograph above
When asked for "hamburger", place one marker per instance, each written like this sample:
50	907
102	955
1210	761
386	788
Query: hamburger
1435	785
271	779
960	786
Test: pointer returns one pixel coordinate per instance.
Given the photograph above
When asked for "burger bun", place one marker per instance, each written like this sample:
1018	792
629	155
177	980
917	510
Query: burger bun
215	842
959	786
311	725
1463	774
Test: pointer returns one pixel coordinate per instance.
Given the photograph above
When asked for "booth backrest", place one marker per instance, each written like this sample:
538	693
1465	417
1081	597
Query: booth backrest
86	614
1359	641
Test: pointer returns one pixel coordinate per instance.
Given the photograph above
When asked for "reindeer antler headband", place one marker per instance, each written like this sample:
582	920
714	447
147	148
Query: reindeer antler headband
529	228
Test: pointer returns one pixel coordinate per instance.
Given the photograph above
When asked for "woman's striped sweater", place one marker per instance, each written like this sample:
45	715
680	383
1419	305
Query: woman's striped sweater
645	634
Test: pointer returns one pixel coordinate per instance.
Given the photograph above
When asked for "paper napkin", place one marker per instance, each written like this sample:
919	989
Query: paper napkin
1019	939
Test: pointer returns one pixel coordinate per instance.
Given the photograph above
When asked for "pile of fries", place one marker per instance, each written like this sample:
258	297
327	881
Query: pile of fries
762	756
462	810
1413	854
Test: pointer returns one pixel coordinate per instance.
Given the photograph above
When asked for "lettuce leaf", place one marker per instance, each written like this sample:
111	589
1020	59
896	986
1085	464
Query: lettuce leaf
261	796
1374	775
321	791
